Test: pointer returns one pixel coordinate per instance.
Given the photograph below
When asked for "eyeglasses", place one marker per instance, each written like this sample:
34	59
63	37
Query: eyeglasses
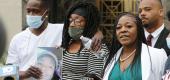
76	21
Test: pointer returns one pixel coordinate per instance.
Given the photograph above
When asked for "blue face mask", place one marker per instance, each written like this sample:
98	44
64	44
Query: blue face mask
168	42
34	21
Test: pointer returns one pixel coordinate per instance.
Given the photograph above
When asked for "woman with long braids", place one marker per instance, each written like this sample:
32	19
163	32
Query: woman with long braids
82	19
130	57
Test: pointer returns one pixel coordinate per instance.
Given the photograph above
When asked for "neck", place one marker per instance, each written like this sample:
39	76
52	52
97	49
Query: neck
128	49
38	31
76	41
154	27
74	46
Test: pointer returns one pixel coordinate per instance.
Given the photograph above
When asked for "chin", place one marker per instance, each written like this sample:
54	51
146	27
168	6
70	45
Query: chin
124	43
146	25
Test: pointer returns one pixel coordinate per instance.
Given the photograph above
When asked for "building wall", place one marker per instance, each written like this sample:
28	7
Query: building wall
11	14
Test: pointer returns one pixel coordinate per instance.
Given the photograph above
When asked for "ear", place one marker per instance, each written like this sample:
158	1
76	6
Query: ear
161	12
47	12
45	15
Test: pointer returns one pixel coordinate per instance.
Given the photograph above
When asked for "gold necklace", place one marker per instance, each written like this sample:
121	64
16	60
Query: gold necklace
122	60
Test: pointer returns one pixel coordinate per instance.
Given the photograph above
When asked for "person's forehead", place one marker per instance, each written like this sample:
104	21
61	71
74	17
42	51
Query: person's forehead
126	19
74	15
149	3
34	4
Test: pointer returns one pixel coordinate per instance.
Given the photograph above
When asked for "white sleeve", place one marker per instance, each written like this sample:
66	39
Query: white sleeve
13	54
164	58
159	60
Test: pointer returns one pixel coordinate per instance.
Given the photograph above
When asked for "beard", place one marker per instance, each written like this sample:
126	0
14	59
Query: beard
149	24
146	25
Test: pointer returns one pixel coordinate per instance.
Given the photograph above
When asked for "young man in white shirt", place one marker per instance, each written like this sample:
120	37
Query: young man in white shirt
39	33
24	44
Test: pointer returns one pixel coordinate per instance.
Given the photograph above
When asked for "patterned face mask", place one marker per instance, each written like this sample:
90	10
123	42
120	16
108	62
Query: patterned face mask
75	33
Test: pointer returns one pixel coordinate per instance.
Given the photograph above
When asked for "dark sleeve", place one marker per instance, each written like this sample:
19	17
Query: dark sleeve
55	76
167	64
96	64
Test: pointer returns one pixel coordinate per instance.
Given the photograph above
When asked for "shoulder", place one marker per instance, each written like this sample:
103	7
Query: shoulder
156	55
154	51
55	26
21	35
165	32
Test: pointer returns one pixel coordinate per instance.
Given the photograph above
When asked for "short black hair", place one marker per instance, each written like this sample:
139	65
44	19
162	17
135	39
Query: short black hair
92	21
46	3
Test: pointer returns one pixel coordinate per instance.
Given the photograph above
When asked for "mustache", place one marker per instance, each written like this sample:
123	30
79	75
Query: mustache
143	18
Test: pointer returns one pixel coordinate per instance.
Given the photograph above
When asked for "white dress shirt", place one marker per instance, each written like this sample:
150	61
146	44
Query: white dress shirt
155	34
23	45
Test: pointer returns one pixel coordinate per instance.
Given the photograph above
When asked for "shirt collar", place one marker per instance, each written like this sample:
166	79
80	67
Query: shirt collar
156	33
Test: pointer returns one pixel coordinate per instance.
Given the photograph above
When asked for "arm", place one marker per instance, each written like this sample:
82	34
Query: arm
12	57
97	41
96	65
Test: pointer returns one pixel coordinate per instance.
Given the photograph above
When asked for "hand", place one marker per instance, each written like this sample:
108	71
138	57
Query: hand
97	41
31	72
94	76
166	76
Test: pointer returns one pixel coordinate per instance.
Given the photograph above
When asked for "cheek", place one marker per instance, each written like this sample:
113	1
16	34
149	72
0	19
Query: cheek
117	35
49	70
134	35
152	15
83	24
148	14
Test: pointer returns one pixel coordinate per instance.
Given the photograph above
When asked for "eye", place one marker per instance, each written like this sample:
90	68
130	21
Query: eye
70	19
36	11
28	11
118	27
129	26
147	9
77	20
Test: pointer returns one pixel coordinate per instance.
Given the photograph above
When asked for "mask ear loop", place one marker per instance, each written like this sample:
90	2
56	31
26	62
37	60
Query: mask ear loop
44	16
